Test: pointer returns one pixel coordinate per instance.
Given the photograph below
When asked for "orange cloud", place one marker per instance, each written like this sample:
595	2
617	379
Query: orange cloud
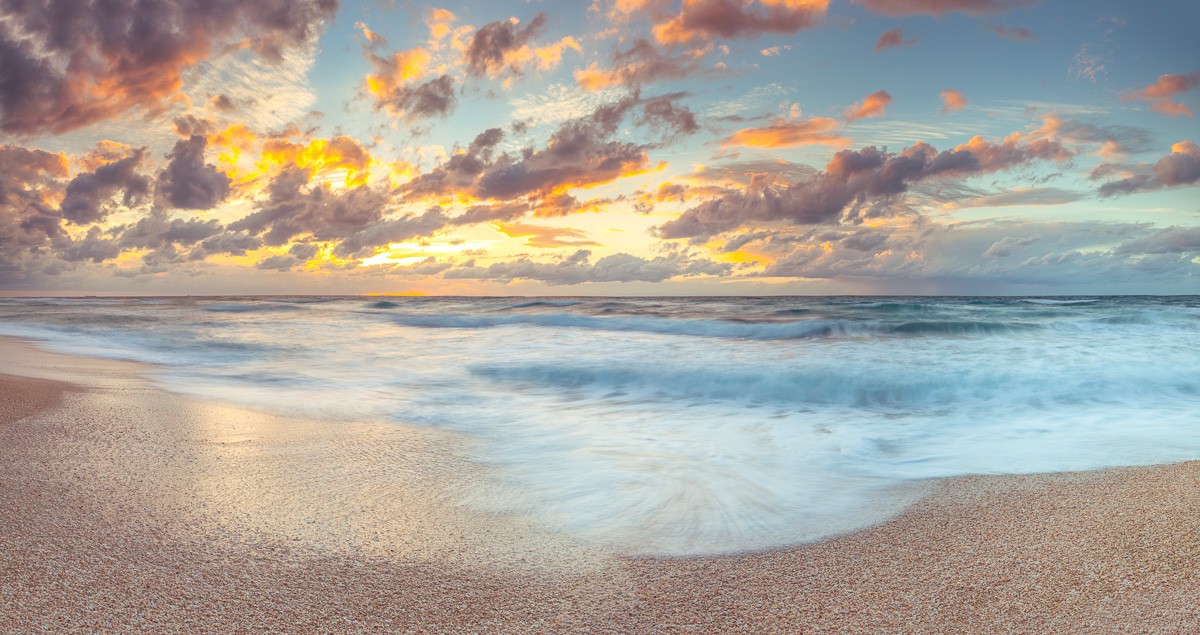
873	105
273	156
641	62
1162	91
786	134
399	84
594	78
953	101
397	70
545	237
439	22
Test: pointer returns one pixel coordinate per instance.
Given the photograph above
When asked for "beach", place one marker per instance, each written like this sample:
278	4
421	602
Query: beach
130	508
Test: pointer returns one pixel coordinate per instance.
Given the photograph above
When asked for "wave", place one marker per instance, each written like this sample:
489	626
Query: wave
304	300
732	328
700	328
383	304
550	303
1049	301
957	327
252	308
909	391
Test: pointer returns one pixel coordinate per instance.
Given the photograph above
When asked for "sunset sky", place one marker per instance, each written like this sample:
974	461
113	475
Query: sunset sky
627	147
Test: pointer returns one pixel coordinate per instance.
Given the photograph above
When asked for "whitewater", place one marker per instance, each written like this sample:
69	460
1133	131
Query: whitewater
689	425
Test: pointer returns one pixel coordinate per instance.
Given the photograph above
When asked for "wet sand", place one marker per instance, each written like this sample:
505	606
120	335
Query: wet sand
126	508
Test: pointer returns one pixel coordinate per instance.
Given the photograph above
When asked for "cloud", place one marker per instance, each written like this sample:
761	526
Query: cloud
640	64
578	268
545	237
29	181
491	45
938	258
784	134
1005	247
156	231
1013	33
1161	93
901	8
855	184
65	65
397	85
248	159
953	101
1025	196
321	212
433	98
88	193
1180	168
189	182
391	230
745	19
505	47
580	153
893	39
1170	240
666	113
1111	141
297	255
873	105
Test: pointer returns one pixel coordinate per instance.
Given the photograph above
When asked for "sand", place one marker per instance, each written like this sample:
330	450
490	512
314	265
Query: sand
127	508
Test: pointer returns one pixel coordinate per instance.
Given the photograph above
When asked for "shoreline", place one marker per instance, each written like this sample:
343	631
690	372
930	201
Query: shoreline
132	508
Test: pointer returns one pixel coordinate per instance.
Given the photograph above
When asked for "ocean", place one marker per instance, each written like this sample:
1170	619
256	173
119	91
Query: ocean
689	425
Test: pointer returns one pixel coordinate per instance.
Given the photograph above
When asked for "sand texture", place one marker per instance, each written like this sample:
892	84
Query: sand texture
126	508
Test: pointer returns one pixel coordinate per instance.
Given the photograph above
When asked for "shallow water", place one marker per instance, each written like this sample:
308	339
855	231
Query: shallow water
691	425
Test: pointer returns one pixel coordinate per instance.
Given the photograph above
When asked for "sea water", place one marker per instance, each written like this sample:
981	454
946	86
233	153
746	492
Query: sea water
690	425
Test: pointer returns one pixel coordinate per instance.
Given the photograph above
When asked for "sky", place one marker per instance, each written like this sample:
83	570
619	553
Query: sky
621	147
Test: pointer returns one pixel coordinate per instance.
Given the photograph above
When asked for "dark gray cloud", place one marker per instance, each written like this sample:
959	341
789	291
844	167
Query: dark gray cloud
705	19
233	244
65	65
189	125
156	230
189	182
28	224
893	39
581	152
485	54
320	212
93	247
88	193
663	111
433	98
855	184
1180	168
640	64
460	171
393	230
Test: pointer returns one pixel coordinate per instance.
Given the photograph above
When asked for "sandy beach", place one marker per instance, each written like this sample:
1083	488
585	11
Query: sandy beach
127	508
